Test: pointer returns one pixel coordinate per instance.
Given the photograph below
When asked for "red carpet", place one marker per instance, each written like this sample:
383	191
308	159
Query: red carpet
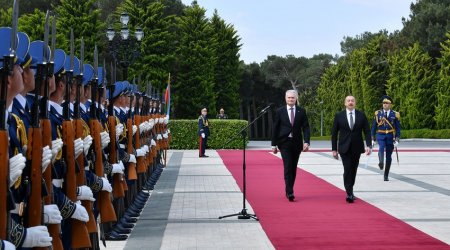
319	218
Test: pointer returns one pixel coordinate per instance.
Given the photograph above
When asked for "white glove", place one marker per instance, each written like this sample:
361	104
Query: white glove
132	158
395	144
46	157
151	122
153	143
140	152
16	164
134	129
8	245
119	130
118	168
80	213
78	145
52	215
145	147
165	135
105	139
106	185
87	142
166	120
143	127
85	193
56	147
203	135
158	137
37	236
168	131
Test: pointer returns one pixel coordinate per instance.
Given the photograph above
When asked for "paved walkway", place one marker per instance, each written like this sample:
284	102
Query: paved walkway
183	210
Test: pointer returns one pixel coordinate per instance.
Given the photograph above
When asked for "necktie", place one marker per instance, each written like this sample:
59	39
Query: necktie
385	114
292	116
351	120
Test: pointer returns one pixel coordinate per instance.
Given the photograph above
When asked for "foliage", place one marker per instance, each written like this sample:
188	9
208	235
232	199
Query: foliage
196	51
411	85
157	47
427	24
224	134
5	17
84	18
442	116
227	52
33	25
426	133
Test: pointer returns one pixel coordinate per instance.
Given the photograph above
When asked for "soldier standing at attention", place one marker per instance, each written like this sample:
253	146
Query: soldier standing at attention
203	132
386	130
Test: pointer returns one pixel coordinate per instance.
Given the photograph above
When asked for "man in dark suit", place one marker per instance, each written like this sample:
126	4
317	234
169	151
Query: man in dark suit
289	126
350	124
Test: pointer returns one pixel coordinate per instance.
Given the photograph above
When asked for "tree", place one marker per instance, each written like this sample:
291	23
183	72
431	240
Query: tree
427	24
442	116
349	43
194	84
227	67
158	45
411	85
84	18
33	25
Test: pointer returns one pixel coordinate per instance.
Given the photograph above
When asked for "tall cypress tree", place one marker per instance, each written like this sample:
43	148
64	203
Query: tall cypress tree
84	18
196	61
442	116
227	66
157	47
411	85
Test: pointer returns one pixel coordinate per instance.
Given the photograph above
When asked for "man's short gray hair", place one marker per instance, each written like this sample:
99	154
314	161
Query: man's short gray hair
292	91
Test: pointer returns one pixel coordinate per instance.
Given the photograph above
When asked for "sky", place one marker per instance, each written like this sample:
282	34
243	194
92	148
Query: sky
304	27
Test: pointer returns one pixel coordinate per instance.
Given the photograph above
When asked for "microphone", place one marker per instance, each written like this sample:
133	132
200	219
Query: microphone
265	109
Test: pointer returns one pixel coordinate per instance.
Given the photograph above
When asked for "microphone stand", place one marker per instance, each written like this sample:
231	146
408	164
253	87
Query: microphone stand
243	213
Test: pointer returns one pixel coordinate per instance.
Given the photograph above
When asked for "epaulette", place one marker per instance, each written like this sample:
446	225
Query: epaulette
397	115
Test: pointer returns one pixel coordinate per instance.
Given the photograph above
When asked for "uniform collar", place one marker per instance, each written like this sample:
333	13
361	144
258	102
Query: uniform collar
22	100
56	106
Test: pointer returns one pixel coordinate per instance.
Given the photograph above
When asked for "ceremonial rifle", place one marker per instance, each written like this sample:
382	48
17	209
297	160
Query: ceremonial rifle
79	232
104	204
7	70
33	181
118	190
131	166
53	229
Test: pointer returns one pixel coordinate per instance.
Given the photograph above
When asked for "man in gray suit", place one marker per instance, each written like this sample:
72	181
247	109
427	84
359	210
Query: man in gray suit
349	125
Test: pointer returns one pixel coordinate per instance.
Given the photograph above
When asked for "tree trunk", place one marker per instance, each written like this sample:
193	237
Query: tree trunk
255	114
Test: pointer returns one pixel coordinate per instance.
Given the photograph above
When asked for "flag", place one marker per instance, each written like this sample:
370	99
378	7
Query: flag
167	98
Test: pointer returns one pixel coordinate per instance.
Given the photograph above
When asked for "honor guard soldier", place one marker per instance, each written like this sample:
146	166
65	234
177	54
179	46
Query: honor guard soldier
386	130
203	132
19	234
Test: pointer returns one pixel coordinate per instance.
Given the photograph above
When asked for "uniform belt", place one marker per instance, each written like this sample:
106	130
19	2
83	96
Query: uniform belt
385	131
16	209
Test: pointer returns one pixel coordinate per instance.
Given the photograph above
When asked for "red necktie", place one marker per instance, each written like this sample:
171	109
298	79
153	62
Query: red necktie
292	117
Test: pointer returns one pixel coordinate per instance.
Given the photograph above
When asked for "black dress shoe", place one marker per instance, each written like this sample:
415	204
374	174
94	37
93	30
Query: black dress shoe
121	230
115	236
129	219
386	178
381	165
290	197
349	199
125	224
204	156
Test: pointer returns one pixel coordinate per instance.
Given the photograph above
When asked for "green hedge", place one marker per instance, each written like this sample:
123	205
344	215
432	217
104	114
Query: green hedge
426	133
184	134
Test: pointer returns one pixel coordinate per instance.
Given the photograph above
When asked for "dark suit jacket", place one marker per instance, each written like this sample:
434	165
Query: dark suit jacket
282	127
349	137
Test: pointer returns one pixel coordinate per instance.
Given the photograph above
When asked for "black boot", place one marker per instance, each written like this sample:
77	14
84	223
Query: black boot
381	165
386	171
